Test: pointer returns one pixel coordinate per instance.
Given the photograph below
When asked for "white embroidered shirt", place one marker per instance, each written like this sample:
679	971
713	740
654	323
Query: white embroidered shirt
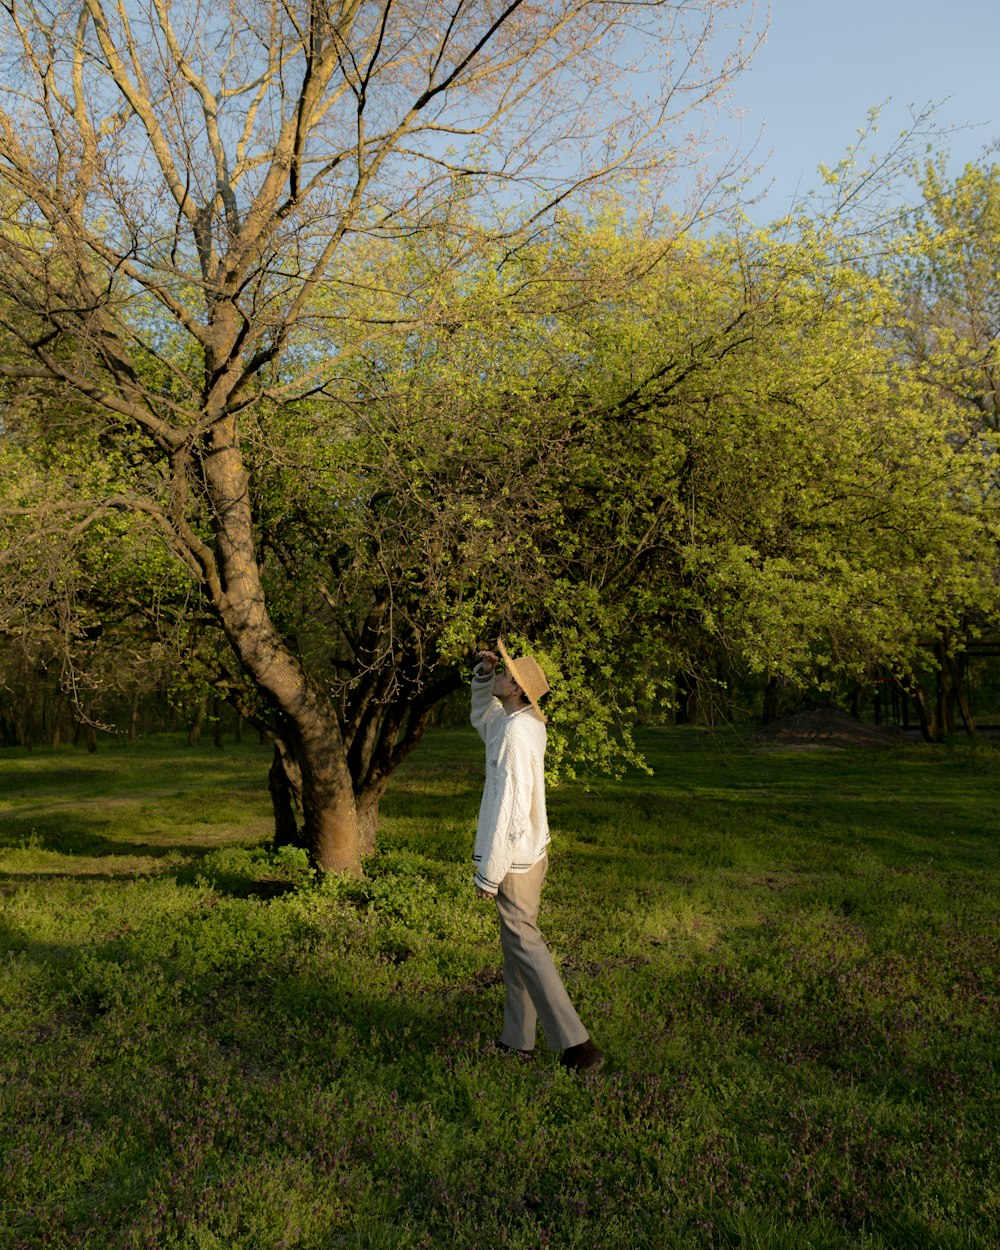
513	829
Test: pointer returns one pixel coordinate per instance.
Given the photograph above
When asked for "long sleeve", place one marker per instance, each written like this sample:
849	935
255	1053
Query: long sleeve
512	832
487	712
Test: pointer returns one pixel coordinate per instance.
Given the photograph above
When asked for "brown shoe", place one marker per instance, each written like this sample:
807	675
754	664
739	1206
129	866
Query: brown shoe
583	1058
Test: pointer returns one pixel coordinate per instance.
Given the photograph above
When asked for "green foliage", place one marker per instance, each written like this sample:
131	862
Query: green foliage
637	457
948	267
642	457
90	589
790	960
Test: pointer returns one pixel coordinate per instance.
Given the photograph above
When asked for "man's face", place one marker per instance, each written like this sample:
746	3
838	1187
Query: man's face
504	686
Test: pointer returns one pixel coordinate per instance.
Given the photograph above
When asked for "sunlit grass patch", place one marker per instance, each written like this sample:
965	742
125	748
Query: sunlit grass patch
790	960
123	809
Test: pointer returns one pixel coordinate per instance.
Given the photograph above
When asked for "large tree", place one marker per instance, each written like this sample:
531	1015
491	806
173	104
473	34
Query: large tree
183	182
654	452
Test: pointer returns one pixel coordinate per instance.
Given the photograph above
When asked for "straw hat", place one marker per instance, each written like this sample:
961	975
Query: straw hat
528	674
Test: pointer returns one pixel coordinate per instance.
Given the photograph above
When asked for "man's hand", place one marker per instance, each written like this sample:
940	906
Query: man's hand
488	660
481	893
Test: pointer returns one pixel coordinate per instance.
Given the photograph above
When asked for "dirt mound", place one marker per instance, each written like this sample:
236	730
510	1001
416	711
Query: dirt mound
825	727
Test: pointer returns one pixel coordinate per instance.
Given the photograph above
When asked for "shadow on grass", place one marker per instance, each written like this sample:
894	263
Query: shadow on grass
238	869
83	840
299	1010
263	888
15	941
47	778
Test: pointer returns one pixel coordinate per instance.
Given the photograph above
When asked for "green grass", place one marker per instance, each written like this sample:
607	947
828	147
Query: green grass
790	960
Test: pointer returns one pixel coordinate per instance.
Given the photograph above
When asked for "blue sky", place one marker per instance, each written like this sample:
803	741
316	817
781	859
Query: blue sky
826	62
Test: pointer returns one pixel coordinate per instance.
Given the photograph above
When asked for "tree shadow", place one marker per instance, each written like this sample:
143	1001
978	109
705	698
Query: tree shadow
46	778
261	888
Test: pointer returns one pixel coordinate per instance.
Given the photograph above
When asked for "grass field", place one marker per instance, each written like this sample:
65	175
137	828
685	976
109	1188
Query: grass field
790	960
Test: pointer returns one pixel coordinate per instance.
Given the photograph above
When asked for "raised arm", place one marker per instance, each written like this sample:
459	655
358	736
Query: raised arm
486	710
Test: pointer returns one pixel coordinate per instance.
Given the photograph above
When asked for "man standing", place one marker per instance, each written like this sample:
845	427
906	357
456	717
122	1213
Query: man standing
511	860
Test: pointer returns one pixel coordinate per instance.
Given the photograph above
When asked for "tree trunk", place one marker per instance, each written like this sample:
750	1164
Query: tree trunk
772	699
194	730
944	716
329	813
958	690
687	698
930	726
217	722
368	805
286	827
58	720
310	730
381	745
950	693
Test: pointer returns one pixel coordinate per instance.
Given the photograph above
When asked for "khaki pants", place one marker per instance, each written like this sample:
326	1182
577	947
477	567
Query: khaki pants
534	988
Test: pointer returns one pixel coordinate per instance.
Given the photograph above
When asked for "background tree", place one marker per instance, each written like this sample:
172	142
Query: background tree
817	512
946	271
98	618
949	272
182	179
